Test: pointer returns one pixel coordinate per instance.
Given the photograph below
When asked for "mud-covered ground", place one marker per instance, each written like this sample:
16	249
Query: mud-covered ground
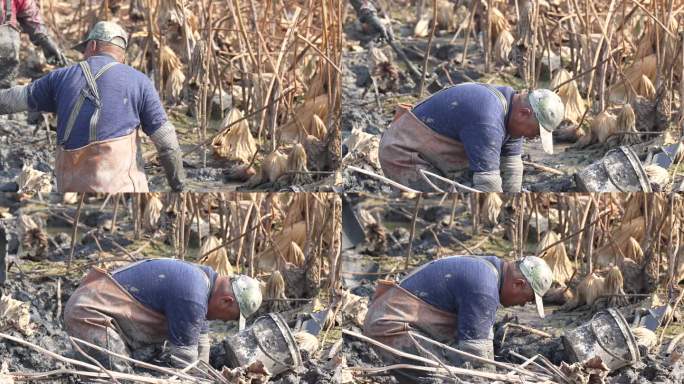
370	108
383	253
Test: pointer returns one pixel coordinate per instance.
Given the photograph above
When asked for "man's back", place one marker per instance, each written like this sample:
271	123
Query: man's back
128	100
179	290
474	115
466	285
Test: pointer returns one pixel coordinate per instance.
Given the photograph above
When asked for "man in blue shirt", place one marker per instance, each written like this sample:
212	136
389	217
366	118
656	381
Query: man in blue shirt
99	105
454	301
136	309
473	126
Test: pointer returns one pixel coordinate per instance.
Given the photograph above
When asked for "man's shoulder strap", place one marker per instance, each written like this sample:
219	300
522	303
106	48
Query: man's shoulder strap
499	95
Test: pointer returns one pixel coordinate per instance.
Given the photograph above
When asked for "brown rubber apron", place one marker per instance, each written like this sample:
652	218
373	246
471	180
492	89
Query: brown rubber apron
409	145
394	311
100	303
110	166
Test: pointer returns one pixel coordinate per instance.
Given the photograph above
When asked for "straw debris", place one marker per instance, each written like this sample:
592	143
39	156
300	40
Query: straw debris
276	292
215	258
152	212
570	95
14	314
491	208
237	142
306	342
32	181
556	257
296	166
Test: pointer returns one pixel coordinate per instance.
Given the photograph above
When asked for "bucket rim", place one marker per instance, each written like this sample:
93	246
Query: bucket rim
289	337
627	333
638	168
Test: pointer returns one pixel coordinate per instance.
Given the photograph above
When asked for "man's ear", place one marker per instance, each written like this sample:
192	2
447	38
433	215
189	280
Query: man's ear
520	283
227	300
525	112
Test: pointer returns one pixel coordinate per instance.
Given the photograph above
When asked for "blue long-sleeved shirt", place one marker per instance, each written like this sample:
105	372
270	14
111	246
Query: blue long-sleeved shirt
177	289
473	115
463	285
128	100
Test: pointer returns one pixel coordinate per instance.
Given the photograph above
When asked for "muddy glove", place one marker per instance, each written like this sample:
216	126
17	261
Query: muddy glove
53	54
14	100
511	173
204	347
482	348
170	155
188	354
487	181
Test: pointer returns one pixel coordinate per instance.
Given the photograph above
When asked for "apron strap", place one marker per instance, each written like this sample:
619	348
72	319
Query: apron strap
499	95
92	93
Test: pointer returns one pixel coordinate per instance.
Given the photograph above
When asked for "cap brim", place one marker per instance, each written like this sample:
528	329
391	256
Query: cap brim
546	139
540	305
80	46
241	323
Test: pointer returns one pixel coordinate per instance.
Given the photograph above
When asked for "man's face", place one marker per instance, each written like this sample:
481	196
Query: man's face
523	122
517	292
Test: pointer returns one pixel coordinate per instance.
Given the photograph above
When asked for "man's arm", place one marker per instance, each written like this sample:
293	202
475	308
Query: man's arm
483	148
163	134
512	165
475	326
170	155
14	100
185	324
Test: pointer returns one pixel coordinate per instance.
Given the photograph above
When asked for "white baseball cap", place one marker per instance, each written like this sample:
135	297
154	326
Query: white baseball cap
549	110
539	276
248	295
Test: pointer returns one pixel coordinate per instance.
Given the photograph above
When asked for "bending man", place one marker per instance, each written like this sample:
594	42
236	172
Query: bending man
135	309
470	127
453	301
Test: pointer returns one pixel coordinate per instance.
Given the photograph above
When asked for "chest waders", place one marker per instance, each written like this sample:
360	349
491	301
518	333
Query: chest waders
110	166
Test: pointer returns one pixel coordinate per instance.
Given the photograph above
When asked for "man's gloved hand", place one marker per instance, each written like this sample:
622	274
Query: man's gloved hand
187	355
53	54
487	181
512	173
482	348
172	162
170	155
204	347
